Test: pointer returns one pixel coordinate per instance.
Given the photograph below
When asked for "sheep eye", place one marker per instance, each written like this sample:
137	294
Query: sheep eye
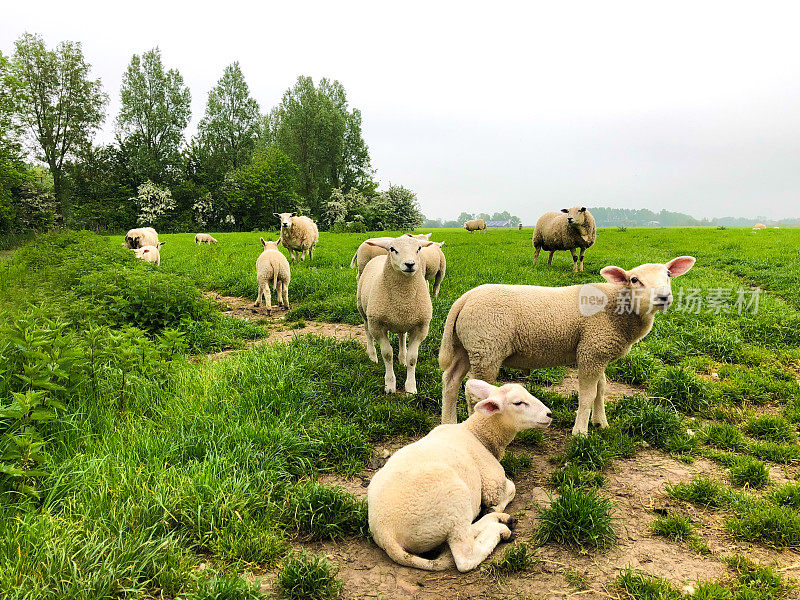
519	403
393	250
418	249
634	280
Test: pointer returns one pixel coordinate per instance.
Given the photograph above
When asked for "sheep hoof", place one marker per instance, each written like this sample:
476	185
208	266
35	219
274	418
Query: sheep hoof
508	537
411	389
389	389
512	522
256	305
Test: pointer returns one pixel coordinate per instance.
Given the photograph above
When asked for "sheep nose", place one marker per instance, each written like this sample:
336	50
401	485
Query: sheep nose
664	297
570	219
410	265
549	414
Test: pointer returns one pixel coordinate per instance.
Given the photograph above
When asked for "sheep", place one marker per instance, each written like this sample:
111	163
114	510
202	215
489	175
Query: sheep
150	253
143	236
475	225
435	265
531	327
759	226
204	238
430	492
366	252
570	229
299	235
272	266
392	295
519	226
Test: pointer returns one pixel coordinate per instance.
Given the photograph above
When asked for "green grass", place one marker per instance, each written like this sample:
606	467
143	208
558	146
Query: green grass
515	463
640	586
516	559
160	460
749	472
675	527
579	519
306	576
701	490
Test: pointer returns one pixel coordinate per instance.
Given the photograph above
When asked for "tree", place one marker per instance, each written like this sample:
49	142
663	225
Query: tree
464	217
397	208
316	129
156	107
231	125
57	103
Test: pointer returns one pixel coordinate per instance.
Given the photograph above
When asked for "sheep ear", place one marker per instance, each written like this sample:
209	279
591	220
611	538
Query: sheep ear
679	266
425	244
379	244
294	214
146	251
479	388
615	274
487	407
583	209
161	244
276	215
427	235
565	210
440	244
263	243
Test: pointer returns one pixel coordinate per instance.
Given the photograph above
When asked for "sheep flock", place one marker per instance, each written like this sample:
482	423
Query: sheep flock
430	493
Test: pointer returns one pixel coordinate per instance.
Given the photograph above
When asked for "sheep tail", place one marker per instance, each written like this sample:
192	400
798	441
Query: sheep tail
449	339
399	555
353	262
275	280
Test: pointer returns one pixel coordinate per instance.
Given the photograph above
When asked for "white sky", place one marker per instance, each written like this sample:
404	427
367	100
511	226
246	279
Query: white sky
688	106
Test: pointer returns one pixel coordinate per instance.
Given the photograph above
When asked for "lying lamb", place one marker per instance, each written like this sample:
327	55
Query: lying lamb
272	266
150	253
430	492
531	327
393	295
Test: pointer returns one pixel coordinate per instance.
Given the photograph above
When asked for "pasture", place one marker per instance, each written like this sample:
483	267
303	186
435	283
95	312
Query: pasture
152	447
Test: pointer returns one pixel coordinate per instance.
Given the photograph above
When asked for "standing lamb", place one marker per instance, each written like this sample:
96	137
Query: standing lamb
150	253
435	265
299	235
204	238
142	236
531	327
430	492
566	230
475	225
366	252
272	266
393	295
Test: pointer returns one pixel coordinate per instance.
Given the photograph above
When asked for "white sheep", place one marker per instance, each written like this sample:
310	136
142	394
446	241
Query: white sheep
272	266
142	236
204	238
299	235
150	253
393	295
531	327
430	492
566	230
475	225
435	265
366	252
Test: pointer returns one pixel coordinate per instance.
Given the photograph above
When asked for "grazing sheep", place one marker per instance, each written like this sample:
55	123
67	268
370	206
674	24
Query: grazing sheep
570	229
299	235
204	238
759	226
430	492
519	226
435	265
142	236
393	295
475	225
272	266
150	253
531	327
366	252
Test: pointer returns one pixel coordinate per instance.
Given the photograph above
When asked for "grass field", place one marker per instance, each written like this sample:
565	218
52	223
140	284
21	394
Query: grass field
128	462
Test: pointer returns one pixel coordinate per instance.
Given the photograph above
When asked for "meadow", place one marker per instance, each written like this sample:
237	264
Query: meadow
133	465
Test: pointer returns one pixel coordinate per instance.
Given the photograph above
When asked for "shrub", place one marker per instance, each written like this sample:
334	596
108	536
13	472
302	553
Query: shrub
579	518
308	577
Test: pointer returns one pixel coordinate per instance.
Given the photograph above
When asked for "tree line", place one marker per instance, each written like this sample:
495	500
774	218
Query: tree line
305	155
504	216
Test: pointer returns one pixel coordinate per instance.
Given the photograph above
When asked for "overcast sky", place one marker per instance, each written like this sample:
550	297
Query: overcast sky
688	106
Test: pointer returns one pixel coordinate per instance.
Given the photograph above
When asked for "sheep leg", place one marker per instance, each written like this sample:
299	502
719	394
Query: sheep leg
258	295
574	259
451	383
488	519
285	293
581	259
415	339
371	353
599	410
536	255
486	373
550	258
587	392
390	383
503	497
402	348
311	253
268	299
469	551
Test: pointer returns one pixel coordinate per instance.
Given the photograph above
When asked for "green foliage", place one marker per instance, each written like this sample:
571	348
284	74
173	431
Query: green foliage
319	512
640	586
641	418
680	387
549	376
771	428
701	490
579	518
516	559
725	435
787	495
637	367
226	587
756	581
530	437
514	463
750	472
777	526
675	527
308	577
576	477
